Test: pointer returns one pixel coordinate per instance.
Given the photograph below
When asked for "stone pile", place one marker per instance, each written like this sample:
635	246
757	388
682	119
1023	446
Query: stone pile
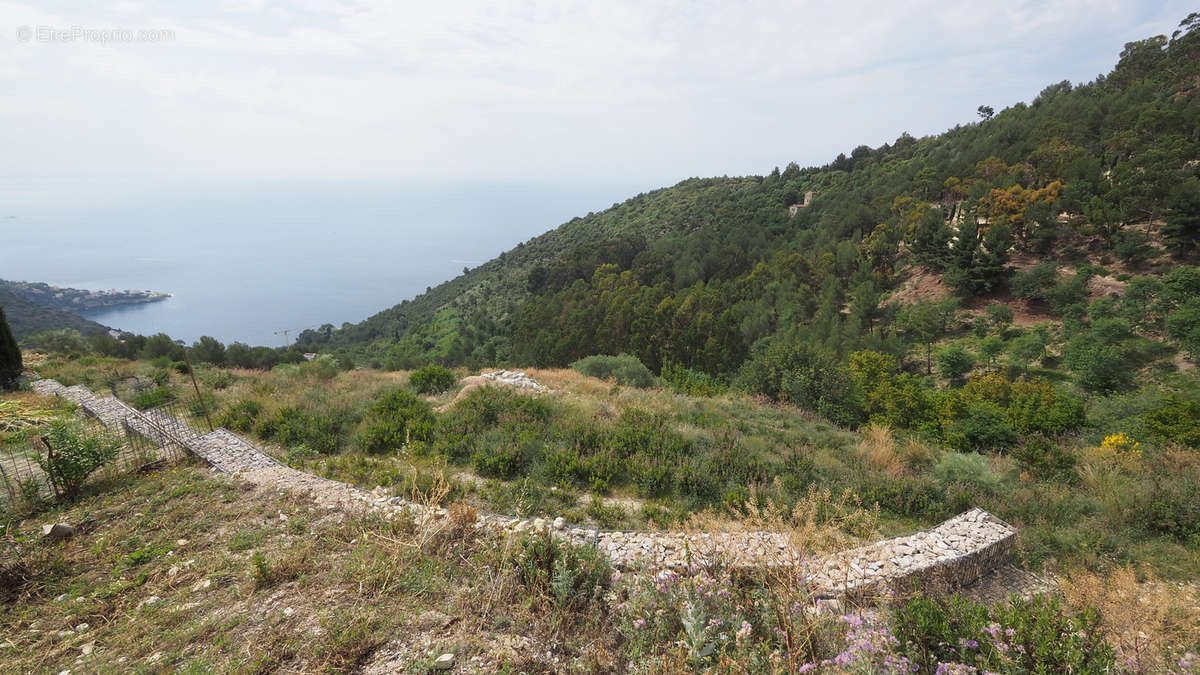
514	378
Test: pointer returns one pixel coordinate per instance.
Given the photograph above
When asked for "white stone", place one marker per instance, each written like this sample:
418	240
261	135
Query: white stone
444	662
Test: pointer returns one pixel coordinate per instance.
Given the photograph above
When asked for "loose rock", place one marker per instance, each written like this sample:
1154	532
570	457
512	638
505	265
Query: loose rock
58	531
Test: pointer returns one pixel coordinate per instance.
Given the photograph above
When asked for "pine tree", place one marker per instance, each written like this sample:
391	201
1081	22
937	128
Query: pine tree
10	355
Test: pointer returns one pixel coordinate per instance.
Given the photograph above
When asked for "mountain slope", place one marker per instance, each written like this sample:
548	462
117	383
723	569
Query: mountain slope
26	317
703	271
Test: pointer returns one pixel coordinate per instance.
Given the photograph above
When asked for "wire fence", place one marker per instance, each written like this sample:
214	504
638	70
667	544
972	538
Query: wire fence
144	439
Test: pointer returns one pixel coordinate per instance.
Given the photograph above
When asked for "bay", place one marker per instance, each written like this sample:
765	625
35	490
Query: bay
243	264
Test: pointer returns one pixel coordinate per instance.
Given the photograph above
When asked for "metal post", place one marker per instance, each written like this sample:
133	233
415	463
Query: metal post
192	373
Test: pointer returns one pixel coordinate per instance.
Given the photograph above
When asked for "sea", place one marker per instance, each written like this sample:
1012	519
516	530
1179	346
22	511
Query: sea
248	264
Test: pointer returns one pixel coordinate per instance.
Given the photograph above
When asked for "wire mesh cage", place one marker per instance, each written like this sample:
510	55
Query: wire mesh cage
140	439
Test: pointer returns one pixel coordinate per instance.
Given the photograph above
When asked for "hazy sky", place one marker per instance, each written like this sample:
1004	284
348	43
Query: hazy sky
140	96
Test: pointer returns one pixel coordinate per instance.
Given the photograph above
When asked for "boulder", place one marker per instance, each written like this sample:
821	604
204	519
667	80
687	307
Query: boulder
58	531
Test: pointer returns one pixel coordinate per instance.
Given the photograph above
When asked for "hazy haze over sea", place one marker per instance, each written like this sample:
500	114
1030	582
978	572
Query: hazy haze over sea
244	263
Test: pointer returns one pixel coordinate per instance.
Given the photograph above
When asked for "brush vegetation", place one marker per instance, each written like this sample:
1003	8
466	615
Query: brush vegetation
1002	316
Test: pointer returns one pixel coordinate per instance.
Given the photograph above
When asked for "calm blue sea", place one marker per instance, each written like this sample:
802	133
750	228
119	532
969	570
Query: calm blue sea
243	264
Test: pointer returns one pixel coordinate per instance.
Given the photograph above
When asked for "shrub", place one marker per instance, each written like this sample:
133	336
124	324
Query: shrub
10	355
652	478
1173	510
1176	421
691	382
432	380
241	416
395	419
953	362
981	429
625	369
1028	348
789	369
1035	283
567	576
696	482
152	398
291	426
930	631
499	460
1038	407
62	341
220	380
1000	315
968	468
1045	459
1035	636
458	431
72	455
918	498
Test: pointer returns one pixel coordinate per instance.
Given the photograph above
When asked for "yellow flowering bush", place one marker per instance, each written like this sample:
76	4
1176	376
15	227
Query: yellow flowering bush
1118	451
1122	443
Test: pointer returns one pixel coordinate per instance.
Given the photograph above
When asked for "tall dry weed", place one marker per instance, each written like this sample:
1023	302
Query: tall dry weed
1150	623
820	522
878	448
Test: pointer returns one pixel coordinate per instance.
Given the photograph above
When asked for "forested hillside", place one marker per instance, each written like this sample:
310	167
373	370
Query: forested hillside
1097	182
27	317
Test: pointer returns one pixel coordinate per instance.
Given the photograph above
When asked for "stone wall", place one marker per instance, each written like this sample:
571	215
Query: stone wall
949	556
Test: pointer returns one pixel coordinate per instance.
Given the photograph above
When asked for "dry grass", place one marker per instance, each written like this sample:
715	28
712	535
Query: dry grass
878	448
1148	621
181	570
820	522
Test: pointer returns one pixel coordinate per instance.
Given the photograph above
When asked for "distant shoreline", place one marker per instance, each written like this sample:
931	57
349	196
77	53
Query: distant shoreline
78	300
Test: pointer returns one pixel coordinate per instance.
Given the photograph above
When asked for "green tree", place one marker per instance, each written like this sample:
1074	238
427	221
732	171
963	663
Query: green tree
954	361
990	348
10	355
979	262
1181	233
1184	325
930	241
62	341
161	344
1099	366
1035	282
1000	314
208	350
926	322
1028	348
